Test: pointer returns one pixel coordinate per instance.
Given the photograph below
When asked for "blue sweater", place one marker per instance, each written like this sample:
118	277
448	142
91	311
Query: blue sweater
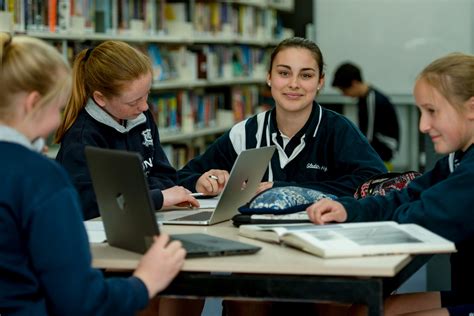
442	201
94	127
328	154
45	261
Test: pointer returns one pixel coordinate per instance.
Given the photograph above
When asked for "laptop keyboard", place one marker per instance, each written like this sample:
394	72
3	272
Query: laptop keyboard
201	216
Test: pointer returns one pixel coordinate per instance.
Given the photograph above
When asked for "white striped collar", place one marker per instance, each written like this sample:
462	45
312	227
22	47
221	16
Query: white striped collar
103	117
11	135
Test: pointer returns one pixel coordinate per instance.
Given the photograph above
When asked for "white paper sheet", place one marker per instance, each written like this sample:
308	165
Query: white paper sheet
95	231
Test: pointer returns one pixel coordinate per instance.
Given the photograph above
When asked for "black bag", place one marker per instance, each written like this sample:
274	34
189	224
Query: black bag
382	184
245	219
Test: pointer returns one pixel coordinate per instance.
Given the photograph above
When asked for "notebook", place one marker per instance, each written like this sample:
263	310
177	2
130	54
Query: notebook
126	207
244	178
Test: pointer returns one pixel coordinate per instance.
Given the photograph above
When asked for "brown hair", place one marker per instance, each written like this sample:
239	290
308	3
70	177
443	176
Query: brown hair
106	68
299	42
453	76
29	64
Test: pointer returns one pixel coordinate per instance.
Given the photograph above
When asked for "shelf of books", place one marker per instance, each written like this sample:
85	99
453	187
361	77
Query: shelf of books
188	120
186	39
166	19
183	146
209	57
201	83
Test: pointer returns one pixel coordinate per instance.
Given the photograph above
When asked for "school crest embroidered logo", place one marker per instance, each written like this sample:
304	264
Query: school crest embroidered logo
147	139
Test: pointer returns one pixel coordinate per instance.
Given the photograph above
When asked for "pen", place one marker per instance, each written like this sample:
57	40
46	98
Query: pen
197	194
213	177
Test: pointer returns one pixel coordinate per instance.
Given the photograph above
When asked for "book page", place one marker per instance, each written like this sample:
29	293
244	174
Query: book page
95	231
273	232
375	238
366	236
288	228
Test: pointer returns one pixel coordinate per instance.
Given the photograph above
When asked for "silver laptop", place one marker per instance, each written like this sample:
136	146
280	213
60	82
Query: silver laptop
244	178
126	207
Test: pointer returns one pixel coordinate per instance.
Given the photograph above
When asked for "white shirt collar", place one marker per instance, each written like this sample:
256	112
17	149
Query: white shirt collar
11	135
103	117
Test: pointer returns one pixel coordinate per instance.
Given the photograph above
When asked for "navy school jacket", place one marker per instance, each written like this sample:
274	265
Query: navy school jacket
45	259
95	127
329	153
440	200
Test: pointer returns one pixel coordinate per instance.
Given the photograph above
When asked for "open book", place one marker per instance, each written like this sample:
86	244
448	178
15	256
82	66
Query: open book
352	239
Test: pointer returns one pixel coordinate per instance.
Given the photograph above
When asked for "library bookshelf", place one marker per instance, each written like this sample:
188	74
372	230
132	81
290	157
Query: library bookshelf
209	57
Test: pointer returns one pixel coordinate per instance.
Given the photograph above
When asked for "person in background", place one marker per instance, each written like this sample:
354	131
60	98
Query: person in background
108	109
45	261
315	148
377	116
440	200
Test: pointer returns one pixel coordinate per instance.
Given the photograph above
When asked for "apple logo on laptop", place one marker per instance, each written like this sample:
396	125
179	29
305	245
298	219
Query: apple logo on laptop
120	201
243	186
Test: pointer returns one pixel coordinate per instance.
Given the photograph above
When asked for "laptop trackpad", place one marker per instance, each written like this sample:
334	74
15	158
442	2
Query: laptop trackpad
194	215
201	216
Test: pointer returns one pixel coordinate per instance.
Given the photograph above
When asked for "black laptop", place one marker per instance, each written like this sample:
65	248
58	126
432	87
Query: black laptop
126	208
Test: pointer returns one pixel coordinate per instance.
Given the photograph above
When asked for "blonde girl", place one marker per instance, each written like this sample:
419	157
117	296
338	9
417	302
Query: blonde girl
45	261
440	200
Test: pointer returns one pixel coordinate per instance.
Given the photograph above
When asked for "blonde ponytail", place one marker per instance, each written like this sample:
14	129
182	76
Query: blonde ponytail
106	68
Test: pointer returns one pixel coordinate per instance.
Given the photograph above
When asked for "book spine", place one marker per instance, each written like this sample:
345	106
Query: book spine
114	17
150	16
52	15
64	13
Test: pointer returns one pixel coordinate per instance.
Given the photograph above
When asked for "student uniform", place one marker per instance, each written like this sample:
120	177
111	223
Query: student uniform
97	128
441	200
328	154
378	121
45	261
461	310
